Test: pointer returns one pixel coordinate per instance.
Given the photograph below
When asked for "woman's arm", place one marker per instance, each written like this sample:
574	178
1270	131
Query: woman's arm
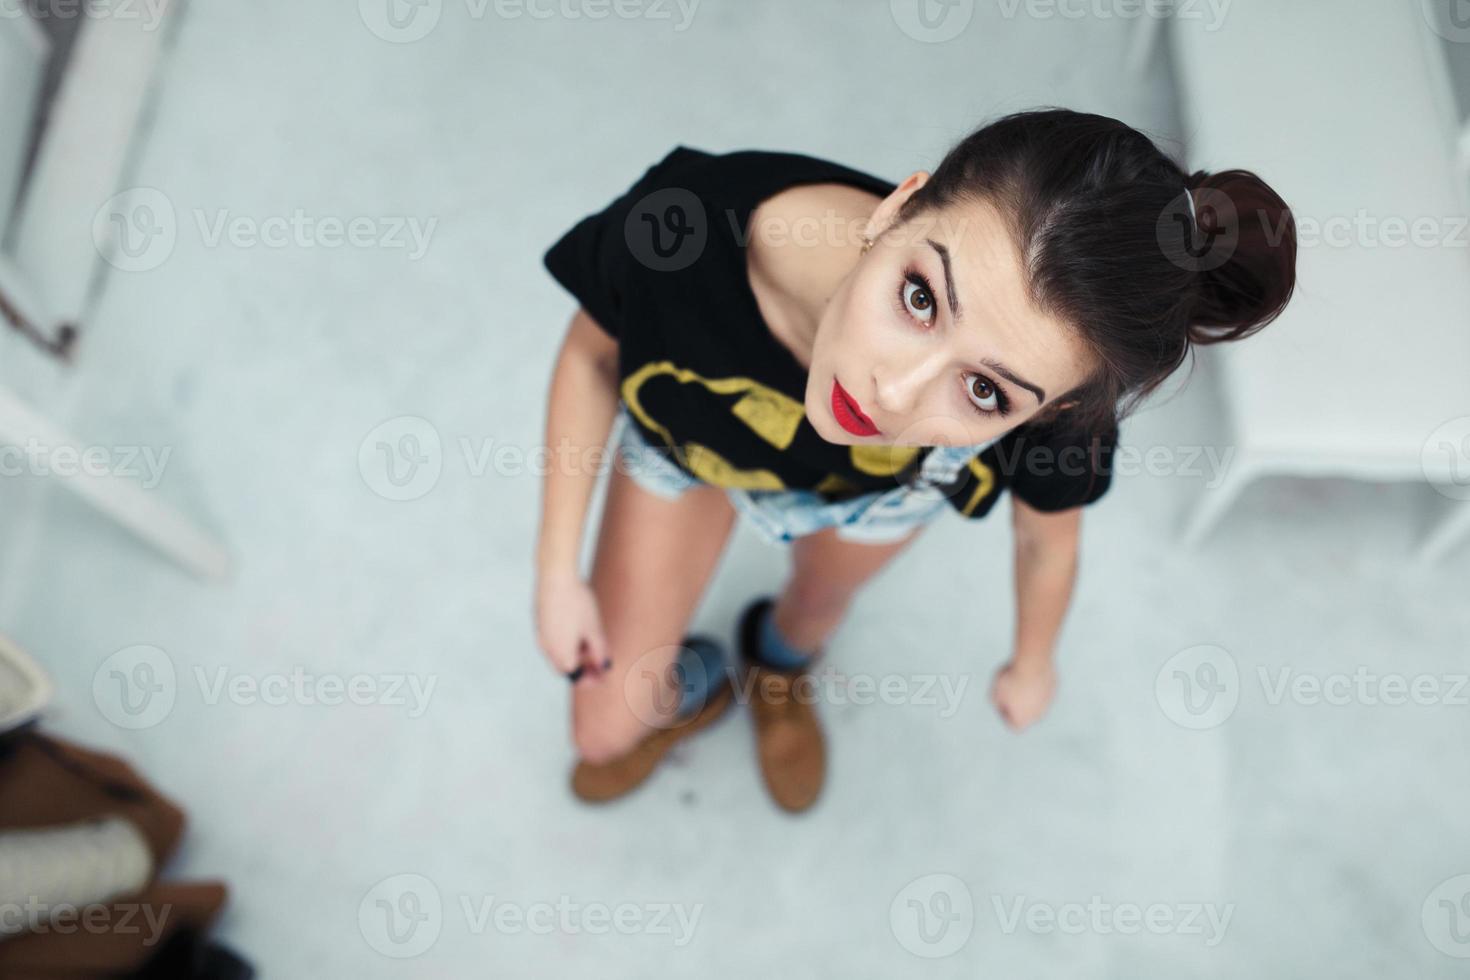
583	400
1045	570
580	409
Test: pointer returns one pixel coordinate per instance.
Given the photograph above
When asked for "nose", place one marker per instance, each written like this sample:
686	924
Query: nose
899	382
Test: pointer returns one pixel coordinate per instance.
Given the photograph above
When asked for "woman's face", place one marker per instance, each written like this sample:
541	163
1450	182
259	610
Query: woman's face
932	341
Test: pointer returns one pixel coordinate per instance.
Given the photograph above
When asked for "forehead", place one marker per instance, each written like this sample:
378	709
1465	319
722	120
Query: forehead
997	316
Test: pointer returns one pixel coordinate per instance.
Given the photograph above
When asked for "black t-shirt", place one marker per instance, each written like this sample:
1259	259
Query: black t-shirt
662	269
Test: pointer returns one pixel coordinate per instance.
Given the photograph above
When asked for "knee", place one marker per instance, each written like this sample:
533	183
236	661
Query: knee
600	738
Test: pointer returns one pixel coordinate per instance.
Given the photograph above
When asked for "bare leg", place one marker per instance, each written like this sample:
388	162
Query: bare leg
826	573
654	559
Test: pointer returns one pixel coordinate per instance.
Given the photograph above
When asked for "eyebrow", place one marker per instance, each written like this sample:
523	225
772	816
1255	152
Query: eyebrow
958	314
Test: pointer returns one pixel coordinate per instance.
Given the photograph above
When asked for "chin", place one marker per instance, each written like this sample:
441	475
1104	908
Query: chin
843	438
823	424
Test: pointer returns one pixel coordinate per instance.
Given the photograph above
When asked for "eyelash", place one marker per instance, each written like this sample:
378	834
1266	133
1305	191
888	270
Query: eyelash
917	278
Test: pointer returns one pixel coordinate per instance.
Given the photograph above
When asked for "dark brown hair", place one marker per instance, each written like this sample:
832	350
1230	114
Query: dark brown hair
1113	245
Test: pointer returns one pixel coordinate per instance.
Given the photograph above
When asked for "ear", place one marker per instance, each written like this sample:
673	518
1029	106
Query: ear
883	216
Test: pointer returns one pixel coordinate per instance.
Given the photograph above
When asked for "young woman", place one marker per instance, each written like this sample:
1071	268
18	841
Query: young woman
840	359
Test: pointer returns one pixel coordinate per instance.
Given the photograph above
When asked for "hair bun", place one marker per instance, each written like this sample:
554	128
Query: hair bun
1244	253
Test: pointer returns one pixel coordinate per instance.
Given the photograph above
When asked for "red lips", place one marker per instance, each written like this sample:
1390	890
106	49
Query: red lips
845	409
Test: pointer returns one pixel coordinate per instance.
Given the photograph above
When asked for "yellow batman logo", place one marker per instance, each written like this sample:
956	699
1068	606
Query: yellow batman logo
770	414
986	478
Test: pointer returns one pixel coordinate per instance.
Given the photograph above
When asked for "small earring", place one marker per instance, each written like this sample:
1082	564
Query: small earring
867	244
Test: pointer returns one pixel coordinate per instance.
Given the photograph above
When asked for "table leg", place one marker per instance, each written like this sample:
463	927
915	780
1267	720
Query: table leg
118	497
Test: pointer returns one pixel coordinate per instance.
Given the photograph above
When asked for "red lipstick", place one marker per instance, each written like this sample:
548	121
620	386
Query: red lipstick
849	414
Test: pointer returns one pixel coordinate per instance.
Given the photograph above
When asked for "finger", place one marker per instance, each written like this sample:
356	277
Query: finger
597	654
589	662
585	666
560	664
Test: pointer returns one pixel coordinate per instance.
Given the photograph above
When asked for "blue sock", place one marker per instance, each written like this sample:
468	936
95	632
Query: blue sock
774	650
700	670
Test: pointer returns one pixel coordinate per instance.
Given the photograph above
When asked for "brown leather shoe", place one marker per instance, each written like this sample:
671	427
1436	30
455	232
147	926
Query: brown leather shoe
789	740
609	780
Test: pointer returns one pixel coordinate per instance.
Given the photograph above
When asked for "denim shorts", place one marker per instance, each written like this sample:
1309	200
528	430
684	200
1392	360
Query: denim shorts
780	516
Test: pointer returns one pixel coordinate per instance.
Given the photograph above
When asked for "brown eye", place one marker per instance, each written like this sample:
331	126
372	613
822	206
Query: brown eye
917	298
983	394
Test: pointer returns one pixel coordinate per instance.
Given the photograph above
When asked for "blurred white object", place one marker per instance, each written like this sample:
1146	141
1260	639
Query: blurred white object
1369	364
49	869
118	497
24	687
82	158
24	49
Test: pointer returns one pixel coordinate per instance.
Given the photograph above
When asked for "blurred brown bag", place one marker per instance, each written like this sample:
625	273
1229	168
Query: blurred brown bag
46	782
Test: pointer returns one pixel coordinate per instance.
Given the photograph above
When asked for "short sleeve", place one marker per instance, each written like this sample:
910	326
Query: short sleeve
592	261
1057	468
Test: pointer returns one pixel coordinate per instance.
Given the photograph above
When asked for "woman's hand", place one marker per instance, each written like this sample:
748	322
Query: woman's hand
1022	691
569	625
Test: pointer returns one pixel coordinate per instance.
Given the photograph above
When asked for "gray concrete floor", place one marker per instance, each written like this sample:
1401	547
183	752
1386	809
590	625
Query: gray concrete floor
944	846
